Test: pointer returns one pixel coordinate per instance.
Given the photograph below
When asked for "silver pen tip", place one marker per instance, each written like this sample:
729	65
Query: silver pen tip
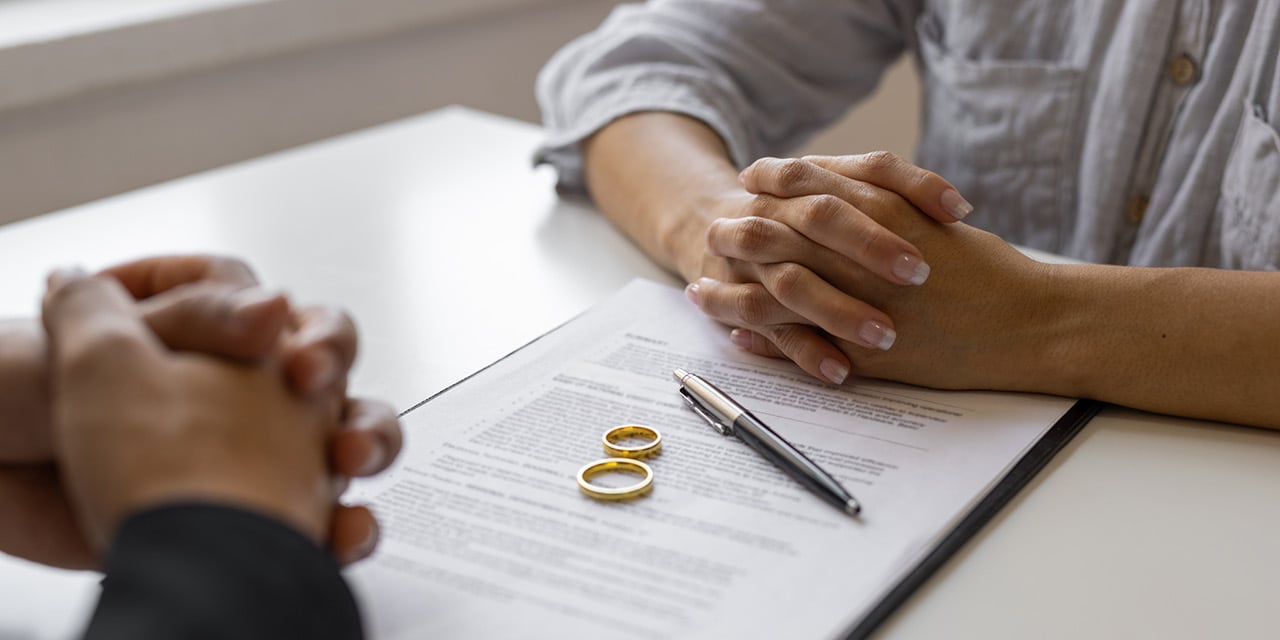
852	507
680	375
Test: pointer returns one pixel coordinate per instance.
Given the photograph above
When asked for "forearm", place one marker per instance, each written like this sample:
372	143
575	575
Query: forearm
24	393
653	174
1200	343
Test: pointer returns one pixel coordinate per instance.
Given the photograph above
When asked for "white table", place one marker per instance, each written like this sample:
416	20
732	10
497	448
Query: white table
450	252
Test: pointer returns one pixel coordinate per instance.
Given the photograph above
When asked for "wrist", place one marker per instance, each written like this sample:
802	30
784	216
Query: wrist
24	393
1067	329
683	237
658	177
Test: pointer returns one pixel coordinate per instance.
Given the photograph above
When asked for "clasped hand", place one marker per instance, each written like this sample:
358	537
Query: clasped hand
178	379
852	263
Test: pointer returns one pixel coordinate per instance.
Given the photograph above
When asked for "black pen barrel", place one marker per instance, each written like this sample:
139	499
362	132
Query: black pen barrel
791	461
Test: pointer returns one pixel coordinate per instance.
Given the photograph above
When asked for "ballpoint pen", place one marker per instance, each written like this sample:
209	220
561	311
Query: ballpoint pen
730	418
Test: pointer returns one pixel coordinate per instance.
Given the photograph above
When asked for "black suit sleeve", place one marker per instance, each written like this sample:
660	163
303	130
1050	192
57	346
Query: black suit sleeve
211	572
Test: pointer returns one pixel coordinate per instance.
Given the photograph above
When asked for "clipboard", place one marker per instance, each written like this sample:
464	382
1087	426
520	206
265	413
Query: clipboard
616	321
1019	476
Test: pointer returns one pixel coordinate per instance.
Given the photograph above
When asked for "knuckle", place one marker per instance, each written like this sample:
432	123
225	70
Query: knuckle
205	310
881	161
751	307
787	280
791	340
871	235
792	170
103	342
751	235
759	207
923	179
878	203
757	166
818	212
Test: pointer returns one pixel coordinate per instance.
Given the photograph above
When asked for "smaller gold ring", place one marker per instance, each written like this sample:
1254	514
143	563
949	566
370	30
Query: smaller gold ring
651	448
586	473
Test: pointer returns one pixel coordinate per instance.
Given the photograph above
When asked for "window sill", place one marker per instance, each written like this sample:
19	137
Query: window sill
47	53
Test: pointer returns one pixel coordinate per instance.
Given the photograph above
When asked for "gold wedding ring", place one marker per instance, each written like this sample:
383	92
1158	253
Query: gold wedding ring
651	448
607	465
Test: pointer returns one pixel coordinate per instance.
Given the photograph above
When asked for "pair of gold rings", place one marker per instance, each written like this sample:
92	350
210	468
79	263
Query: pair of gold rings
625	459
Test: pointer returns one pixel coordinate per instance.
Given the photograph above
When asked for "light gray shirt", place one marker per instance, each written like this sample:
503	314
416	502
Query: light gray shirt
1136	131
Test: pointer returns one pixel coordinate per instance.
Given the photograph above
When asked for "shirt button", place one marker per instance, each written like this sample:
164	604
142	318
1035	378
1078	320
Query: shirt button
1182	70
1137	209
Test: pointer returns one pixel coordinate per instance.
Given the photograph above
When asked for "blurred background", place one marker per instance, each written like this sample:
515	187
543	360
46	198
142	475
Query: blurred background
98	97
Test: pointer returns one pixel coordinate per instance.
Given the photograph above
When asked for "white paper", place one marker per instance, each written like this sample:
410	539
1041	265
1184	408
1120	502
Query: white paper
487	536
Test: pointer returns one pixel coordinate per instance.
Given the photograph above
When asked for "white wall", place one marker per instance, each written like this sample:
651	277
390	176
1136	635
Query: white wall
65	147
88	145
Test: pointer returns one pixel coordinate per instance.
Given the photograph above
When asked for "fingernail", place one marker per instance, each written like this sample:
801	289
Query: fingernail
833	370
955	204
375	460
364	548
911	268
370	541
741	338
62	274
691	292
324	369
742	177
875	334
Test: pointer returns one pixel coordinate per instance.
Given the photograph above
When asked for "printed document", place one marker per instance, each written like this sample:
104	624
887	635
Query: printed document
486	535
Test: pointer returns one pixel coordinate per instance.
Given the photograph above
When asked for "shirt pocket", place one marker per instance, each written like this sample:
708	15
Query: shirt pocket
1004	132
1250	203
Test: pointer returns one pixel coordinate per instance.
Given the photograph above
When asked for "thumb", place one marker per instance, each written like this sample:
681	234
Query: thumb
92	323
101	364
928	191
239	323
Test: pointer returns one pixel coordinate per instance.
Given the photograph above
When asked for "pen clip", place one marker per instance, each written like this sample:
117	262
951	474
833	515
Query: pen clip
724	429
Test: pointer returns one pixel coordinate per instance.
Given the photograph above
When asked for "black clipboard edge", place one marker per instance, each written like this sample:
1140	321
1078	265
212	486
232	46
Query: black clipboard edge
1057	437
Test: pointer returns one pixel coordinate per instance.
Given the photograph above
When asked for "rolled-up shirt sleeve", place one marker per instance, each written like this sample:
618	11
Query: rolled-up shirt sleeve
764	74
